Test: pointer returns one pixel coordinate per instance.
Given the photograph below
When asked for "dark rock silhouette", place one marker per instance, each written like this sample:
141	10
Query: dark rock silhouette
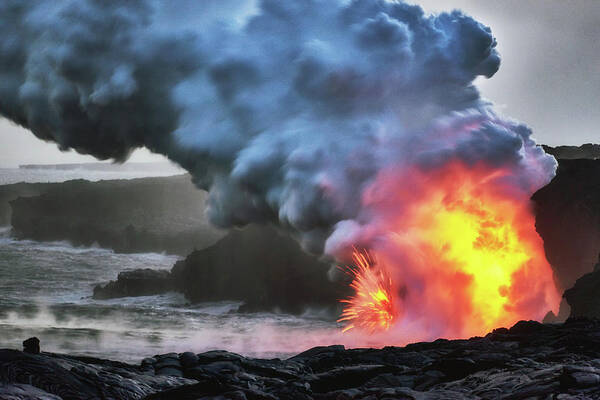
568	219
266	270
31	345
528	361
139	282
261	267
583	297
137	215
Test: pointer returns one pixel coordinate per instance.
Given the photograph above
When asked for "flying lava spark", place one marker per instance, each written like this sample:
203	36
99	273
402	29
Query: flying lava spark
372	306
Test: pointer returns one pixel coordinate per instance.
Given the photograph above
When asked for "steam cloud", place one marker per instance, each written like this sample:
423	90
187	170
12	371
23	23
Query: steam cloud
286	115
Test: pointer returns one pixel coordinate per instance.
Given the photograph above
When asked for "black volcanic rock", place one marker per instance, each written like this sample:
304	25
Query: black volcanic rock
139	282
583	297
137	215
528	361
568	219
31	345
264	269
261	267
74	378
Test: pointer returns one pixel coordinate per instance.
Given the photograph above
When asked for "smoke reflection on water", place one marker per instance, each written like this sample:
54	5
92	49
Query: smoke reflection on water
45	289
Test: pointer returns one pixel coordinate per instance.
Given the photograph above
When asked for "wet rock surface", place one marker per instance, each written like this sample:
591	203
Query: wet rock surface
528	361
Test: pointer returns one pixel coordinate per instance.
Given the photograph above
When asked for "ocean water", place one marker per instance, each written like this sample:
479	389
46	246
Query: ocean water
46	288
45	291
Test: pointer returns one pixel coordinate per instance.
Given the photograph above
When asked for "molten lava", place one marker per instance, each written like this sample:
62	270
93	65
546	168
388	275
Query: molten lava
372	306
462	243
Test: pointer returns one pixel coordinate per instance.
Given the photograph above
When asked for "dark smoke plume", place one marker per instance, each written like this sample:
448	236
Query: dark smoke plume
284	110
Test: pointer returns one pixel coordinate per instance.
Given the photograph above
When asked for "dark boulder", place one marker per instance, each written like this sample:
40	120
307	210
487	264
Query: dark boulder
31	345
139	282
188	359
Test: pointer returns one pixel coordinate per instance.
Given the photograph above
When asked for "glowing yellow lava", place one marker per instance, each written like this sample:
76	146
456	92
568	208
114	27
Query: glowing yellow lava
476	237
460	257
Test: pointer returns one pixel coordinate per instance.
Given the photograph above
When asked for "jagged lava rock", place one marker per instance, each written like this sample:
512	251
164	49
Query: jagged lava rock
74	378
528	361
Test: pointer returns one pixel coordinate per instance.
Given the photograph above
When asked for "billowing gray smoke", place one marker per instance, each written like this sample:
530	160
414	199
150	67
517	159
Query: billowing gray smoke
284	110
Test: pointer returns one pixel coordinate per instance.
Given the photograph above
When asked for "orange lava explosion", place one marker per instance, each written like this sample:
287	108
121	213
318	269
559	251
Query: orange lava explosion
461	249
372	307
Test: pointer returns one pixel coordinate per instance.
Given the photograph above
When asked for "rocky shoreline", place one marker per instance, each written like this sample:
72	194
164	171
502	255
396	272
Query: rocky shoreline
528	361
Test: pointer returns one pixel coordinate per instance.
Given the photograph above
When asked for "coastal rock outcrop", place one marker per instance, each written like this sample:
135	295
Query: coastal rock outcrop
139	282
264	269
13	191
528	361
137	215
31	345
568	219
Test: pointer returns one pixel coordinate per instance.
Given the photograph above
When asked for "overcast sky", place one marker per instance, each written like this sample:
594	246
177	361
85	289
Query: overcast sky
549	77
